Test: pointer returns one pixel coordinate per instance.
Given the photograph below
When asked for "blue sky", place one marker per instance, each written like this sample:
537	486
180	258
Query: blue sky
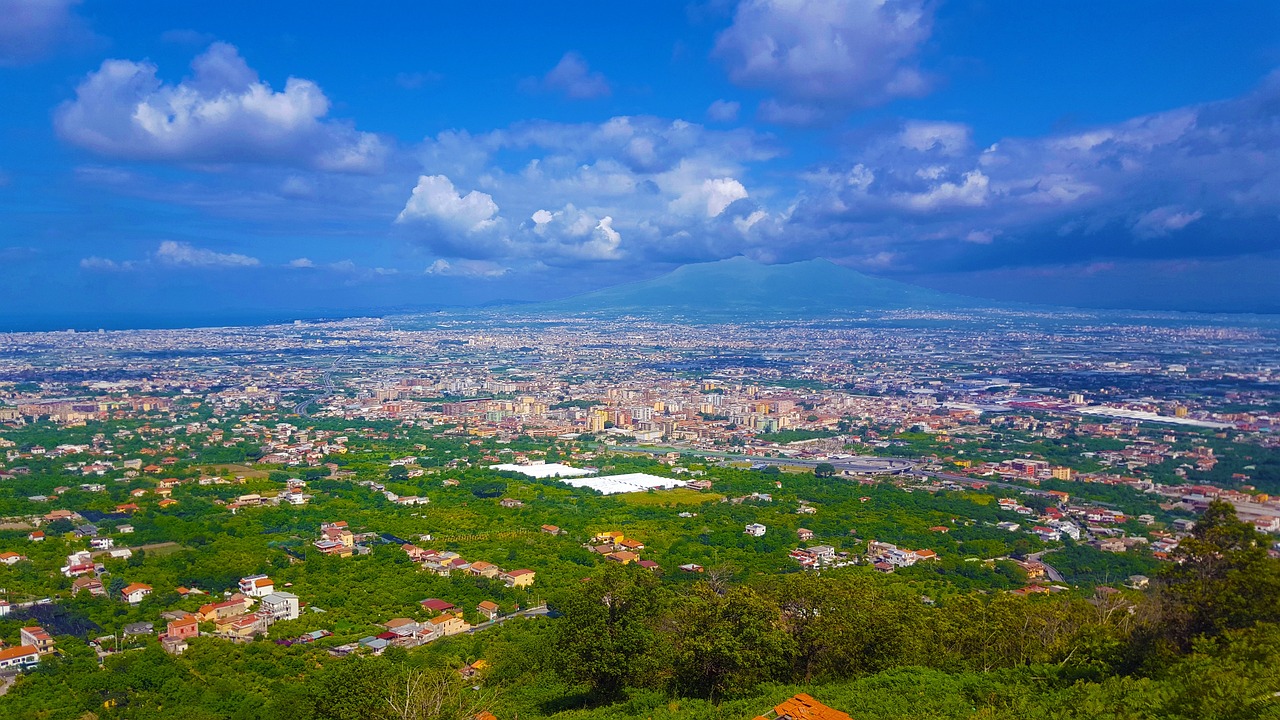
161	159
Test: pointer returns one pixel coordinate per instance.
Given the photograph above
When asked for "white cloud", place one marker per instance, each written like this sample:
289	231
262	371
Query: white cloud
105	265
945	138
1164	221
30	29
668	189
823	54
182	254
434	198
972	190
466	268
301	263
711	197
573	78
222	113
723	110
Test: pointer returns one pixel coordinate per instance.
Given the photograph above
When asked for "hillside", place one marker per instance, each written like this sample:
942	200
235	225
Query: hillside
740	287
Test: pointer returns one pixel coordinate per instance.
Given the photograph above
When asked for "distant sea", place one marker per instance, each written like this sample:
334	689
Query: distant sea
89	322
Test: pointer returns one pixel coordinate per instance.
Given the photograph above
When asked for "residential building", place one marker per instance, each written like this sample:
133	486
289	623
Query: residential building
134	592
280	606
36	637
22	656
518	578
257	586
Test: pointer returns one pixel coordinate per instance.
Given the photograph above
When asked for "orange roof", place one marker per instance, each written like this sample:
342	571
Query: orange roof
135	587
804	707
17	652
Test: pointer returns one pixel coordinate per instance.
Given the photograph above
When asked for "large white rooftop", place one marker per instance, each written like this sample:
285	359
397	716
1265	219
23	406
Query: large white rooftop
544	470
631	482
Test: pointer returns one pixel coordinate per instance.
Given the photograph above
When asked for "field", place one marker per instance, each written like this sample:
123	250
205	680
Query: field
670	498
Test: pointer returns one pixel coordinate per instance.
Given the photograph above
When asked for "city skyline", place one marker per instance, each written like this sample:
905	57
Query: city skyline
295	160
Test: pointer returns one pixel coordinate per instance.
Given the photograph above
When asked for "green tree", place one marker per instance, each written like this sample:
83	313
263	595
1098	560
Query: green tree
824	470
1223	578
727	644
604	638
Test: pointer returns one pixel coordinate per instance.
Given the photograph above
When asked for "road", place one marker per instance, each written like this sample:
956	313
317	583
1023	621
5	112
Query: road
1049	570
326	381
152	546
539	611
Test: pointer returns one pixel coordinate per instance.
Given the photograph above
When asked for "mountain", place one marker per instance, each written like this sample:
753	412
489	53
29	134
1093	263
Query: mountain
740	287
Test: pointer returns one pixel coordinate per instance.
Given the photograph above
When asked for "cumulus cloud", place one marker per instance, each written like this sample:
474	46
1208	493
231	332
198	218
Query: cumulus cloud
182	254
221	113
628	187
301	263
573	78
435	198
822	55
31	29
1205	180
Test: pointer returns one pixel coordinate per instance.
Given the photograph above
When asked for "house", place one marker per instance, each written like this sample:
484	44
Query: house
691	568
139	629
755	530
36	637
241	627
623	557
447	624
11	558
235	605
173	645
102	543
437	605
518	578
649	565
510	503
1138	582
92	585
257	586
18	657
488	608
185	627
5	607
134	592
484	569
279	606
551	529
36	536
805	534
803	707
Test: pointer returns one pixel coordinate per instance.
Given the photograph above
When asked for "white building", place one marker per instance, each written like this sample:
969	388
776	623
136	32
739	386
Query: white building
280	606
755	529
257	586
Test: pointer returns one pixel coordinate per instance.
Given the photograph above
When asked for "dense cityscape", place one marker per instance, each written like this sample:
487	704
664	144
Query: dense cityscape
244	486
698	360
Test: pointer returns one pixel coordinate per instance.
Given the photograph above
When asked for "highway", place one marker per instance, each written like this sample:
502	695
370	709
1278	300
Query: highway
326	381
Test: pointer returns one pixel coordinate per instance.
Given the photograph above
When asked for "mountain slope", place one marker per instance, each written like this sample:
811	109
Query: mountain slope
741	287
